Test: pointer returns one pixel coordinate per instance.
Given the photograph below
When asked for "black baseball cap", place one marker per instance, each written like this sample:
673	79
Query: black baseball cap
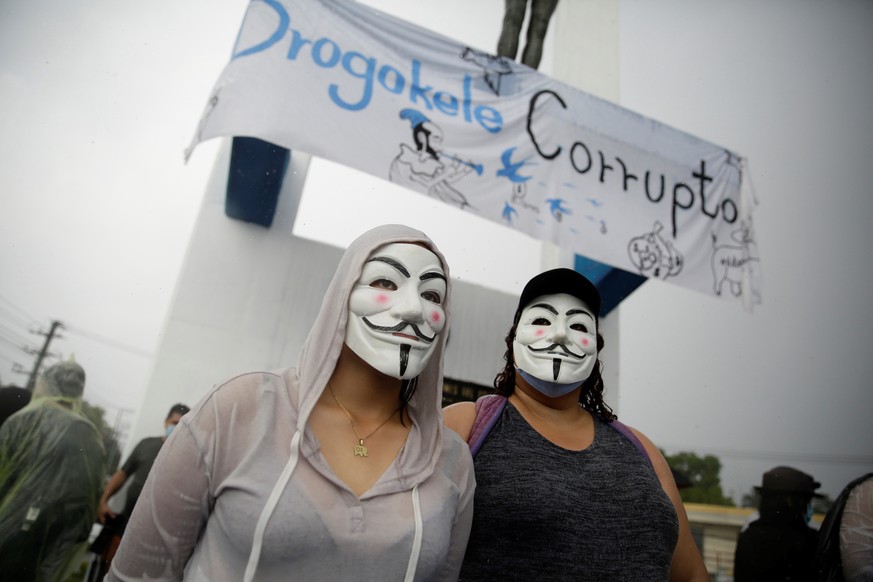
560	281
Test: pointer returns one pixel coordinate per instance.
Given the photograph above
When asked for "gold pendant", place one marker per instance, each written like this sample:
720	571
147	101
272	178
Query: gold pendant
361	450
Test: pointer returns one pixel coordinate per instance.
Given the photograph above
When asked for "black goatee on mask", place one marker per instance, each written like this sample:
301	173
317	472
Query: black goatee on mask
404	358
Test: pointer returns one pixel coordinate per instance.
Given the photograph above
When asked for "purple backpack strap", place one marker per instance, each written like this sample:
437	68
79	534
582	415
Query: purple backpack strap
488	410
629	434
490	407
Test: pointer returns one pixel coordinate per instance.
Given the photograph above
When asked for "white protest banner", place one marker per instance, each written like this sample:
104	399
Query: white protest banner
345	82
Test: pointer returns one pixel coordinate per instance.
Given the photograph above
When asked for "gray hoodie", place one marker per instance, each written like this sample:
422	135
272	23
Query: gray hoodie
241	491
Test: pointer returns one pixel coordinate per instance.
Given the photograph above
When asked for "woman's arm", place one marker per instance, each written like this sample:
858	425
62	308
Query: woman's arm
169	516
460	417
463	522
687	564
116	482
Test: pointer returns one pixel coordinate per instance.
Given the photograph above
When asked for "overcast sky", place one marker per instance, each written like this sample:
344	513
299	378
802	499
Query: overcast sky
99	100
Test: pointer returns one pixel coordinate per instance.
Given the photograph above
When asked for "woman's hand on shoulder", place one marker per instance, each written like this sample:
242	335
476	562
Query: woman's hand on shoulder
460	417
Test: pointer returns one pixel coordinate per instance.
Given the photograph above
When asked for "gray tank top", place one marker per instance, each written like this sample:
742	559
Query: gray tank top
545	513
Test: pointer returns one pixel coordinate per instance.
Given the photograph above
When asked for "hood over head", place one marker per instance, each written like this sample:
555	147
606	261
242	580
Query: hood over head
62	384
321	350
327	336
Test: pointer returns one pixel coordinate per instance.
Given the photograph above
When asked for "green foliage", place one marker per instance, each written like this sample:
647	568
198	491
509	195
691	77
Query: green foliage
96	414
751	499
704	474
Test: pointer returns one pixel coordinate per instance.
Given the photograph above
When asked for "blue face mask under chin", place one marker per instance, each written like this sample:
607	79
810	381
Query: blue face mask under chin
169	430
808	517
550	389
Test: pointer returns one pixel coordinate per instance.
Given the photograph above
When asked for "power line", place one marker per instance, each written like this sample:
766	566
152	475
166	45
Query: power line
94	395
29	319
107	341
14	343
14	319
42	353
25	320
13	335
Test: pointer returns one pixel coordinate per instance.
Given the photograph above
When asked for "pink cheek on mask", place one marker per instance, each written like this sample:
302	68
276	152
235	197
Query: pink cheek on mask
381	299
585	341
435	317
539	333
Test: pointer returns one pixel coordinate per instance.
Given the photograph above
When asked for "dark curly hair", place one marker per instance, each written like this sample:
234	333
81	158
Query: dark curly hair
591	395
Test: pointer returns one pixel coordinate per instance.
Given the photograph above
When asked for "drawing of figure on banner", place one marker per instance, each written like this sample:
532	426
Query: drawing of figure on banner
729	261
493	67
422	168
655	256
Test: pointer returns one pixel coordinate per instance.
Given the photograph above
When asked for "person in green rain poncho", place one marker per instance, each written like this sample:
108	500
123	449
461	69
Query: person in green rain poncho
51	472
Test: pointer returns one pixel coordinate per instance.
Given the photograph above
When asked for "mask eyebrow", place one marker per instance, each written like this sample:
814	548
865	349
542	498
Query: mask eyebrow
393	263
432	275
545	306
576	311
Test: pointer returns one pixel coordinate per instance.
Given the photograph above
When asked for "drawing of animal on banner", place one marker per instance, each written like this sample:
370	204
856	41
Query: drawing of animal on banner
510	208
511	172
730	261
655	256
426	167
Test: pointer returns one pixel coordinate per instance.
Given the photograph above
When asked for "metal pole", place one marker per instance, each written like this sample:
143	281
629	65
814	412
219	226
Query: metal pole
31	382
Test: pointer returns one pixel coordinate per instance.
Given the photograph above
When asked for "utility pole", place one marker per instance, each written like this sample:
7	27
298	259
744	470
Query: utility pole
48	339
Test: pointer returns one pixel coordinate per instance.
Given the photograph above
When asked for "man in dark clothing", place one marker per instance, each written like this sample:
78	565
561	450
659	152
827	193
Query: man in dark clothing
138	465
780	545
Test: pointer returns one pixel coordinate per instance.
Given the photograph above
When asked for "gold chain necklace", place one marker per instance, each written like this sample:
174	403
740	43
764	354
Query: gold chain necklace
360	449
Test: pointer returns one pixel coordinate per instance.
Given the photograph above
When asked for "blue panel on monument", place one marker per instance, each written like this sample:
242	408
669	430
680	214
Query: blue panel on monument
614	284
254	180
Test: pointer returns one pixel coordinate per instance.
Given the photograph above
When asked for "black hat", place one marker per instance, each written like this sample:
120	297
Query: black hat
788	480
560	281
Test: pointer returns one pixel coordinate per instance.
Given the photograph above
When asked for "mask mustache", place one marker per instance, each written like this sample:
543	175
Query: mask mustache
400	327
553	347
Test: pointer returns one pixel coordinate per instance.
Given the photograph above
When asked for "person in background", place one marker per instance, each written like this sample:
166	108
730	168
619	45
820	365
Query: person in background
12	399
779	545
137	466
845	547
336	469
565	491
51	469
513	18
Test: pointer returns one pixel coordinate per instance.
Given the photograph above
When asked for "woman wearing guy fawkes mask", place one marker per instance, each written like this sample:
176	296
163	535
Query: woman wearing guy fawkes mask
338	469
565	491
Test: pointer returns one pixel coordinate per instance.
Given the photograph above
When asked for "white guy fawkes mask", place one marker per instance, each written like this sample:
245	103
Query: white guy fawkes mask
395	309
556	340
